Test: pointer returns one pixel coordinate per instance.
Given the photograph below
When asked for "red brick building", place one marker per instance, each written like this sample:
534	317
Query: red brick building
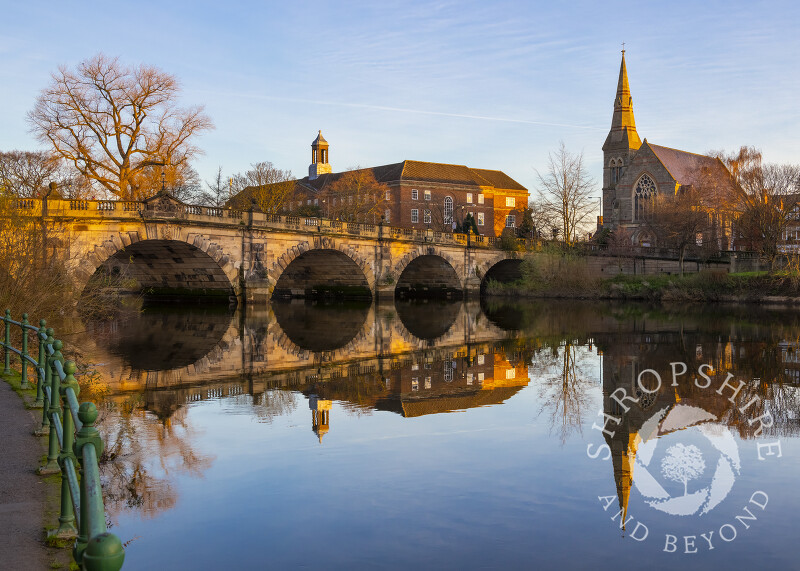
417	194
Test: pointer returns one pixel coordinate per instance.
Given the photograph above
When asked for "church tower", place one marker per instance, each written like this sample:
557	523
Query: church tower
620	146
319	158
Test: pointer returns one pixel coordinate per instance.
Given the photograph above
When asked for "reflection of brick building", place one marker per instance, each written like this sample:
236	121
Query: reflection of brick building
423	384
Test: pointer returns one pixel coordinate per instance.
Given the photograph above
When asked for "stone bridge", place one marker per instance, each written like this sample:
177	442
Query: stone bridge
170	247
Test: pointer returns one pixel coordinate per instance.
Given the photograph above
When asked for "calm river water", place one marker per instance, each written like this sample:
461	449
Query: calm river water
452	436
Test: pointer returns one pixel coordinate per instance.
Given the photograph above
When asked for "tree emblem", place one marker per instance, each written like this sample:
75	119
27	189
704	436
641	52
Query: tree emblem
683	463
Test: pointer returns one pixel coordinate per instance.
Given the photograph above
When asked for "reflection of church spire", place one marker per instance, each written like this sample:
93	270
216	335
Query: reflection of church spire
320	415
623	473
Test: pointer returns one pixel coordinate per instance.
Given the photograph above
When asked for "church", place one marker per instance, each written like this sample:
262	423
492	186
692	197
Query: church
635	172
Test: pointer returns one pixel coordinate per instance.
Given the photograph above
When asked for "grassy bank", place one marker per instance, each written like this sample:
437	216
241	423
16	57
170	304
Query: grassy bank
554	276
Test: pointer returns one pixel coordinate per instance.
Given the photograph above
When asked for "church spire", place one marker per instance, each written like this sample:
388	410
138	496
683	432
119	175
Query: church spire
623	127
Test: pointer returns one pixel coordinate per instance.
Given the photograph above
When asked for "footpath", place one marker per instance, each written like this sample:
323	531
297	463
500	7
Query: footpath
22	492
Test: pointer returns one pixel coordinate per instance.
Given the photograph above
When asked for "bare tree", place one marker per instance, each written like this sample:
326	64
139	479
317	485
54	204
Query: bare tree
765	197
564	193
217	190
679	220
265	187
28	174
113	122
356	195
181	181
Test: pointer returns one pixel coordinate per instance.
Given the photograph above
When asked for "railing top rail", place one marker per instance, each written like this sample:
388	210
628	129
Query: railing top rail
24	323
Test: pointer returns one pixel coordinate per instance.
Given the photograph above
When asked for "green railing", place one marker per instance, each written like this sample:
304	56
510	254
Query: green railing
73	441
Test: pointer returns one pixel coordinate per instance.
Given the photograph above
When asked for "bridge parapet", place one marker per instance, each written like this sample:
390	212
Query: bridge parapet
138	210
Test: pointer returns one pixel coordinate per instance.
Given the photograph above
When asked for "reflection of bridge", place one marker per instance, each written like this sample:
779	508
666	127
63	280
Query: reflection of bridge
262	343
167	246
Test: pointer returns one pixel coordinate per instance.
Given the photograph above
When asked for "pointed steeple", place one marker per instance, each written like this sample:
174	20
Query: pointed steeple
623	127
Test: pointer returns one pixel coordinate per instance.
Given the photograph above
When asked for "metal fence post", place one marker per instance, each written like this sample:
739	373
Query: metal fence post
66	528
52	467
42	337
24	358
88	434
7	343
48	381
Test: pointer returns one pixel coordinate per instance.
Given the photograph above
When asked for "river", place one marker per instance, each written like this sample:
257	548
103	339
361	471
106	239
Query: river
480	435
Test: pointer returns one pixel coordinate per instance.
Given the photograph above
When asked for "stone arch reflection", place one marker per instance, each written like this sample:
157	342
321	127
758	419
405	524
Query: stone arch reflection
321	326
163	338
428	320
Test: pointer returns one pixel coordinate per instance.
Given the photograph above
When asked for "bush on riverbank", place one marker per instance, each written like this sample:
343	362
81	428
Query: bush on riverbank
564	275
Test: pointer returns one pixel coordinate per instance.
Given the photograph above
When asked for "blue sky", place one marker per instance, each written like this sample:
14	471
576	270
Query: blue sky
491	85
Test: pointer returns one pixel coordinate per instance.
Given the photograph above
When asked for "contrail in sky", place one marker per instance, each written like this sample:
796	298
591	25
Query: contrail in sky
417	111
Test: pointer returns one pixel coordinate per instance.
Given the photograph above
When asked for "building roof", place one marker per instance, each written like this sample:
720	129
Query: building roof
421	171
499	179
410	171
320	140
623	126
412	407
687	168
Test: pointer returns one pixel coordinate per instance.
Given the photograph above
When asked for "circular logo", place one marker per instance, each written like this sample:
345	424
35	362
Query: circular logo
686	462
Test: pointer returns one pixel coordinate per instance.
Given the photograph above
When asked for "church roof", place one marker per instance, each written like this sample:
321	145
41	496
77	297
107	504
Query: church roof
687	168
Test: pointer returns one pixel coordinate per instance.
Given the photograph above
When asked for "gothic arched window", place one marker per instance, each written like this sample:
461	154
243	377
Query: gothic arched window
448	210
643	193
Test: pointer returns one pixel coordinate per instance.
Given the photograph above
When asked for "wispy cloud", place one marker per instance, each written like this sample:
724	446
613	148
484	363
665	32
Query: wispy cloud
391	109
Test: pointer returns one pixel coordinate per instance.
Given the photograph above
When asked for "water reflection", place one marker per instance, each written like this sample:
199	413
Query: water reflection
142	459
564	386
427	319
159	338
319	326
322	366
302	345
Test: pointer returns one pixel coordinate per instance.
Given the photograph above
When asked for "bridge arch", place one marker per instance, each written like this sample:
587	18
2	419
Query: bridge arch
171	263
503	270
321	268
430	270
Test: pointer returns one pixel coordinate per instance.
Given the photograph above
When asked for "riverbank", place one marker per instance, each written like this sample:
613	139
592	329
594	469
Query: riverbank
747	287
